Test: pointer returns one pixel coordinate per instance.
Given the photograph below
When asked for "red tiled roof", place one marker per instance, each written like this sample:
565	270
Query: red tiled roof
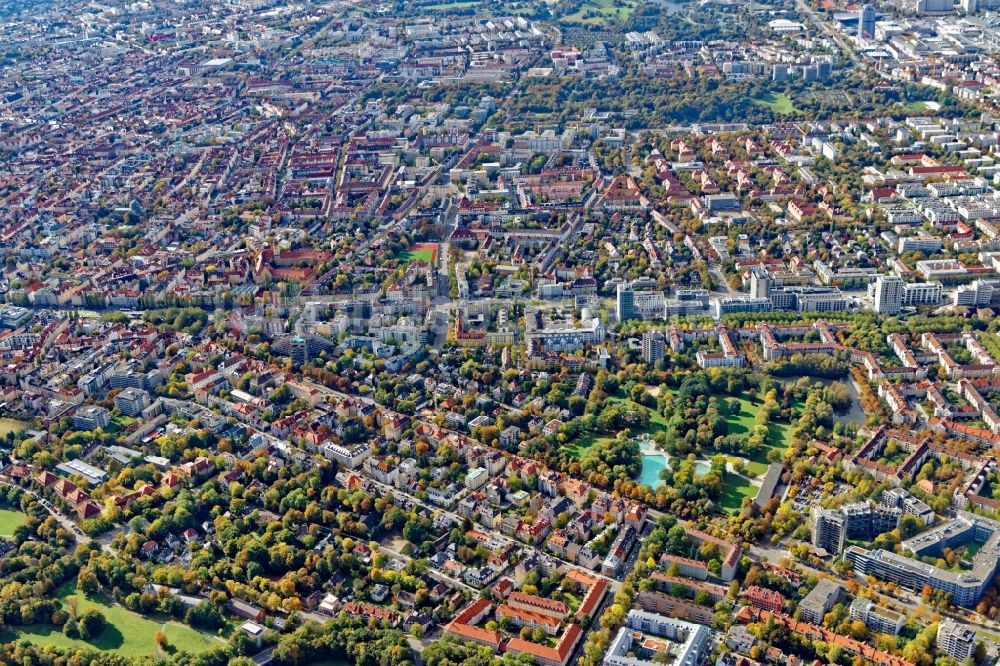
559	654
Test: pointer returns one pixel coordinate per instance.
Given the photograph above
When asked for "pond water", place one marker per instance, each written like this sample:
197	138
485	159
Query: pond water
654	462
854	413
652	465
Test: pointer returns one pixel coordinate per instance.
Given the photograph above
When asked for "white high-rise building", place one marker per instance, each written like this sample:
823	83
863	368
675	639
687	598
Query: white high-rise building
889	291
653	347
760	283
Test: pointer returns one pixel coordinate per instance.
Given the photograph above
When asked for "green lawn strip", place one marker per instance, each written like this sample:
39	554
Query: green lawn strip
127	633
417	255
10	520
780	103
582	443
742	423
734	489
448	6
11	425
572	601
778	434
606	11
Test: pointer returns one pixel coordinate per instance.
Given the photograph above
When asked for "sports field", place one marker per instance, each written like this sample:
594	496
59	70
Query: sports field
426	252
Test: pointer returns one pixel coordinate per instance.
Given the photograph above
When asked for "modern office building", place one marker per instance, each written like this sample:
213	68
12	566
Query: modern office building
866	23
686	302
625	303
13	316
633	303
760	283
978	294
973	6
965	587
649	304
566	337
725	306
898	497
829	529
127	375
922	293
922	243
889	294
809	299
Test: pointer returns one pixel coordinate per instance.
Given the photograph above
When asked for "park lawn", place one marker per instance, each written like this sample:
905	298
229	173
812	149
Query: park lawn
734	489
780	103
743	422
916	107
127	633
449	6
10	520
656	423
778	434
11	425
778	438
606	12
582	443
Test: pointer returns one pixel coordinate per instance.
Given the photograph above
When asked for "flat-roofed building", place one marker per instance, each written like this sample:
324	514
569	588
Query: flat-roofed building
965	587
820	600
89	473
630	646
956	640
877	618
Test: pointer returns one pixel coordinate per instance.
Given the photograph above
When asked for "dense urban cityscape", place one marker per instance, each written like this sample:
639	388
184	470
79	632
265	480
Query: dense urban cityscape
439	332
